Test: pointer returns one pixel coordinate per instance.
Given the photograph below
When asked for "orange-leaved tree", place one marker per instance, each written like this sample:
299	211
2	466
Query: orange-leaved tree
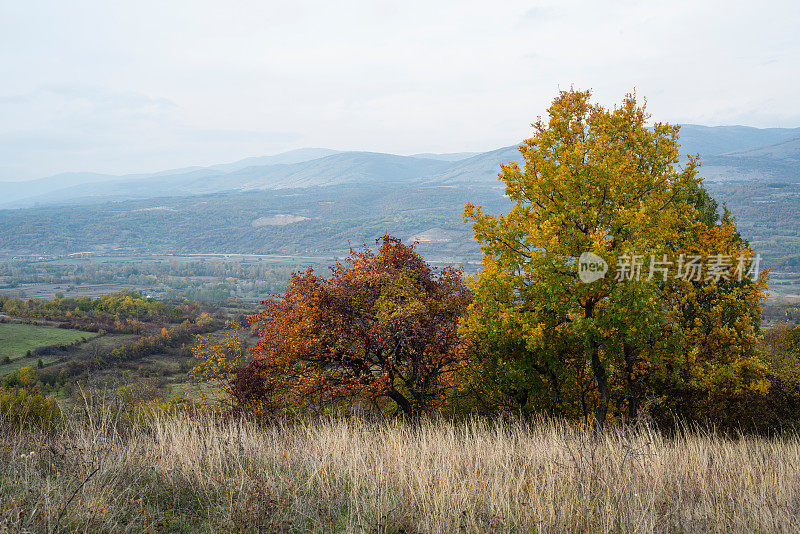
382	327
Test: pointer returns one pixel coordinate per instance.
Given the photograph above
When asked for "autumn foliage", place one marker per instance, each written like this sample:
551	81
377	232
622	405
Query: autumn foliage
528	334
605	181
382	329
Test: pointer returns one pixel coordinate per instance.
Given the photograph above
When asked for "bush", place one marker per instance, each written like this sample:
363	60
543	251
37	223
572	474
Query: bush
770	409
21	407
23	377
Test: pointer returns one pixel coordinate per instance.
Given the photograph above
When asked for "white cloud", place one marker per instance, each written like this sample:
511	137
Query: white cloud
129	87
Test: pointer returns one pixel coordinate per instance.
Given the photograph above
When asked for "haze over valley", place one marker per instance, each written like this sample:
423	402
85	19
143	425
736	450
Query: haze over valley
319	202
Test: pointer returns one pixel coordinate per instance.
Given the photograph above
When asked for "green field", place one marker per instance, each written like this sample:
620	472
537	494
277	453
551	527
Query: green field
17	339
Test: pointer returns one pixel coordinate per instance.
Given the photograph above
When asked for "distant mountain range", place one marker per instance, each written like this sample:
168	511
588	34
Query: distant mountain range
733	153
317	201
296	169
727	153
715	140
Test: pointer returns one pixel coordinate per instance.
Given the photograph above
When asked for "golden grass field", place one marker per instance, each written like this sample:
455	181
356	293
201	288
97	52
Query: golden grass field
182	474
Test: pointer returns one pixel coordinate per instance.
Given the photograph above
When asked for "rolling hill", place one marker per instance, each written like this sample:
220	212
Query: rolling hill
734	153
310	220
322	169
715	140
727	153
780	161
480	169
321	201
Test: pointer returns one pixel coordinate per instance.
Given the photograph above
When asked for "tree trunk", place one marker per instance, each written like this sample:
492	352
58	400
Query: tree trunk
602	387
556	409
402	403
600	374
521	398
632	392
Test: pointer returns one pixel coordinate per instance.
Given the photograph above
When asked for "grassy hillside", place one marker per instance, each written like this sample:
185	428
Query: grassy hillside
17	339
189	474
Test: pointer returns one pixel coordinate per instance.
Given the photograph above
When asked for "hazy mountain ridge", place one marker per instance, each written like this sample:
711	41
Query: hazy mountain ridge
727	153
90	186
733	153
346	167
452	156
480	169
715	140
286	158
325	204
333	169
780	161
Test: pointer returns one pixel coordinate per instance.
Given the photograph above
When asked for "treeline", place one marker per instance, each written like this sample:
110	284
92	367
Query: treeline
168	338
386	332
141	272
125	312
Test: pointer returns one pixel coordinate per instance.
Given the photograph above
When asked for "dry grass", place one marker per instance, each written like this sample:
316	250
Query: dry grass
184	475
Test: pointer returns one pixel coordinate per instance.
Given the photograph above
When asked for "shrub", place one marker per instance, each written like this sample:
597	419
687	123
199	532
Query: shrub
21	378
22	407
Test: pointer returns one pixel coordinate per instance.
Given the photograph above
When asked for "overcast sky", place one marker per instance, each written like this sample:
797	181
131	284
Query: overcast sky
143	85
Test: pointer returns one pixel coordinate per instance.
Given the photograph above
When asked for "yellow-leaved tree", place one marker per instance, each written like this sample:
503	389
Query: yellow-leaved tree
603	182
